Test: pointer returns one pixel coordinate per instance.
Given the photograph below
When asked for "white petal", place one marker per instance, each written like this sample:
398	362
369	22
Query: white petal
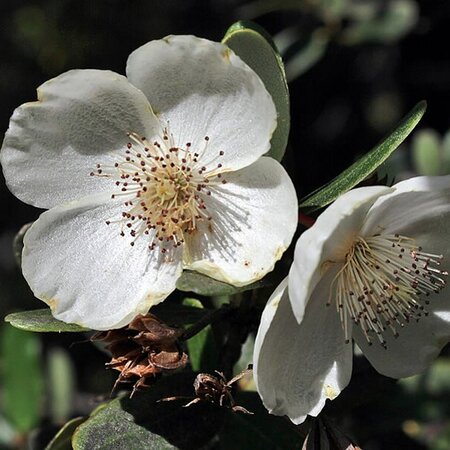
412	205
419	208
328	240
297	367
254	216
412	352
201	88
80	118
87	272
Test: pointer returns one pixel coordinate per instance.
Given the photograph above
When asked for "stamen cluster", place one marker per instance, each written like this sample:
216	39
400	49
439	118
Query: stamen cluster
382	284
164	186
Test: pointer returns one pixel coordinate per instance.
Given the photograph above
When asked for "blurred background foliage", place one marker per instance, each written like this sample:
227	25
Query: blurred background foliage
354	67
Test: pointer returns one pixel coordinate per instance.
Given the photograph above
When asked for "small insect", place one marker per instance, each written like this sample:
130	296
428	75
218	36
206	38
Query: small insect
215	389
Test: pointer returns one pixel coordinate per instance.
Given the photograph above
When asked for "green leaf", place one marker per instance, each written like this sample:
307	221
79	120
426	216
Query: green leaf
207	286
41	320
366	165
426	152
256	48
307	54
61	384
446	153
23	380
201	347
178	314
143	423
63	439
389	24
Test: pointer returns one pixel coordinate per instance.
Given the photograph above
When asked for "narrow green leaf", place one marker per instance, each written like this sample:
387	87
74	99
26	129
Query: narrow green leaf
256	48
388	25
201	347
61	385
207	286
426	152
362	168
143	422
308	54
63	439
23	379
41	320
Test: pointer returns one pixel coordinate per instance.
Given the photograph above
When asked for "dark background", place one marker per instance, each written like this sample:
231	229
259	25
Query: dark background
341	107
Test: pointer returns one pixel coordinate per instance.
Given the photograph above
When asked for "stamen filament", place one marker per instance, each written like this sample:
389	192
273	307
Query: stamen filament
165	187
382	282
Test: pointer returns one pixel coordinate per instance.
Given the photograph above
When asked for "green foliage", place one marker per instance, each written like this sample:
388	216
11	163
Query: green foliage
63	439
22	378
366	165
429	424
207	286
431	152
61	384
307	53
426	152
255	47
383	24
201	347
41	320
179	314
143	422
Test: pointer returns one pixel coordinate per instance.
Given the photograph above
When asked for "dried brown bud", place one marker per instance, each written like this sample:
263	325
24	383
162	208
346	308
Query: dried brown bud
143	350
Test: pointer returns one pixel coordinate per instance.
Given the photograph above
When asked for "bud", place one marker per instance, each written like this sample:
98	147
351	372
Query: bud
143	350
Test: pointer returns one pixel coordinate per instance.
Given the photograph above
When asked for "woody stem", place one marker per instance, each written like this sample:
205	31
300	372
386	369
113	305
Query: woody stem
206	320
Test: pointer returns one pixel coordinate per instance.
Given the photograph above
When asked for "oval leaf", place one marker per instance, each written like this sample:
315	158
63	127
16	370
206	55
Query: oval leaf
204	285
63	439
426	152
362	168
256	48
143	422
22	378
61	384
41	320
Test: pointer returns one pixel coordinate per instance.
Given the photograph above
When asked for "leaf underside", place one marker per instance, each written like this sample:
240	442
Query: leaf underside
366	165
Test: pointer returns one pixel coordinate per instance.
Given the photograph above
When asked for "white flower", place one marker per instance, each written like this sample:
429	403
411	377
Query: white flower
372	268
146	175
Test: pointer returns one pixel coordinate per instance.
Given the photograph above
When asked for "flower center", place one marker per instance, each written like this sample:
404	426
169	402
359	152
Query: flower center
382	284
164	187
